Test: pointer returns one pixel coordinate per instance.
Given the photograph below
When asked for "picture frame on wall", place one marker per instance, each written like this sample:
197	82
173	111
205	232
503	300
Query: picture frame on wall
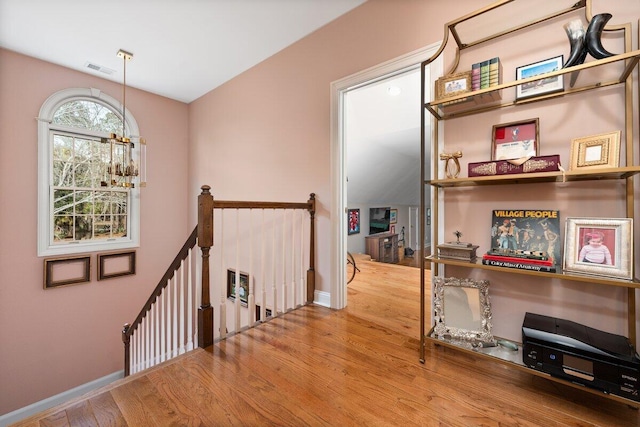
453	84
599	247
541	86
353	221
116	264
515	140
595	152
393	216
66	271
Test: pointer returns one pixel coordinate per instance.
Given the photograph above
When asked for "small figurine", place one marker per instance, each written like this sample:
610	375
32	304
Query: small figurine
458	234
451	170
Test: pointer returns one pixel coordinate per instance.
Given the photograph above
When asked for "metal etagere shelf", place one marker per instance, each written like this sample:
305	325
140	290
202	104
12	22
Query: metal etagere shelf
483	26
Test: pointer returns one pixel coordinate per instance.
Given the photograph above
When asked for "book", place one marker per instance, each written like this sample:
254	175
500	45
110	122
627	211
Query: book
527	230
504	167
484	74
475	76
495	71
520	265
546	262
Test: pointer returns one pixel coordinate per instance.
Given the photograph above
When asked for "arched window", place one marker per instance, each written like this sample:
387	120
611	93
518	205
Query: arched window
76	211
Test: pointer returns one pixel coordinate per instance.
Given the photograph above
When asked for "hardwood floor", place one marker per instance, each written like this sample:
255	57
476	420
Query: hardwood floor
353	367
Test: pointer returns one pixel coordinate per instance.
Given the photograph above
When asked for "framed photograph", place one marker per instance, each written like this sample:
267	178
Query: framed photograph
599	246
231	286
453	84
354	221
595	151
515	140
117	264
393	216
544	85
66	271
428	216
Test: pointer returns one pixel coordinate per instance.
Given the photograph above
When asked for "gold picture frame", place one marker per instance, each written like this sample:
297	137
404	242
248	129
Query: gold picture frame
595	151
66	271
453	84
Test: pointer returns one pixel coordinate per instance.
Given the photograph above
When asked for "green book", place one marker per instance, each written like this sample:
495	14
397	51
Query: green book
484	74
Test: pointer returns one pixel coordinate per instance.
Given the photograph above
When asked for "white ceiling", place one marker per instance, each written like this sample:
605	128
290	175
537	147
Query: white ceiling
182	48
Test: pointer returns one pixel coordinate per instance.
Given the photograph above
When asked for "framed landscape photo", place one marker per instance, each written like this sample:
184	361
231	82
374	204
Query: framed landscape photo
599	247
515	140
541	86
595	151
453	84
393	216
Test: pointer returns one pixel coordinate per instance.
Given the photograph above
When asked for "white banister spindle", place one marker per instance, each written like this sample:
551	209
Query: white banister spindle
263	276
223	297
147	343
174	334
251	304
293	259
162	302
156	337
182	327
237	279
284	261
274	289
190	304
169	319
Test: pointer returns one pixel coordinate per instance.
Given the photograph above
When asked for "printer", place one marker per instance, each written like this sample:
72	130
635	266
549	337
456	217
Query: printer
581	354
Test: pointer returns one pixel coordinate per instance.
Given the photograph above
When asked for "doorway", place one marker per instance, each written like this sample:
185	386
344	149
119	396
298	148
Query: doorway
341	182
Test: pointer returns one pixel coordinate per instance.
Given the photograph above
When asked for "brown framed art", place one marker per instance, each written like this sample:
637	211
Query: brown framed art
595	151
117	264
599	247
66	271
453	84
515	140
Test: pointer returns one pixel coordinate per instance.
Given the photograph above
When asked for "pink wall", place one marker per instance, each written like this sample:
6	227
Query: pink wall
60	338
273	121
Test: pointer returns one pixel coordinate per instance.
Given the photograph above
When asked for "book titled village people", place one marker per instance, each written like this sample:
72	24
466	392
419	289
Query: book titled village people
525	239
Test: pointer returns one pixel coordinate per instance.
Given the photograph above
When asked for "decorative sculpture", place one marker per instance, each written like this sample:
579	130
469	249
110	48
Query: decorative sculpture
589	41
452	170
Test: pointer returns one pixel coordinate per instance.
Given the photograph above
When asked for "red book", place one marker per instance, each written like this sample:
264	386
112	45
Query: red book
547	262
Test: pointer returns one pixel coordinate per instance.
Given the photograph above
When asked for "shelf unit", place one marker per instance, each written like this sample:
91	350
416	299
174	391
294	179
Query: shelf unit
481	27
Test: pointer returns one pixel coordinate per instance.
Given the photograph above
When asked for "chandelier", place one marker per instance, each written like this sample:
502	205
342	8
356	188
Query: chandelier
126	164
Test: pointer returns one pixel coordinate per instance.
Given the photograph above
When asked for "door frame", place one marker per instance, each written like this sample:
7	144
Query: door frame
338	297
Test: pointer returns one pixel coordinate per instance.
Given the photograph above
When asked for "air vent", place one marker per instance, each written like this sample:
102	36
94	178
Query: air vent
100	68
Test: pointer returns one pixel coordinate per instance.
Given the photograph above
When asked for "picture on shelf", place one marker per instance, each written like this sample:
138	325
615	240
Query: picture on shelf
453	84
527	230
542	86
354	221
231	286
595	151
599	246
515	140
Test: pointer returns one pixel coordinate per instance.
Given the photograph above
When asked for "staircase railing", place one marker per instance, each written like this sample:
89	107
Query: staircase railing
265	266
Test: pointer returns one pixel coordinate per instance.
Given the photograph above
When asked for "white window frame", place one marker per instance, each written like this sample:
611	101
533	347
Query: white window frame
45	126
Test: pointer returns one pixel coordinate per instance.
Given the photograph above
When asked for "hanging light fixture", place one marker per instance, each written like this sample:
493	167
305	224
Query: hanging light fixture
126	165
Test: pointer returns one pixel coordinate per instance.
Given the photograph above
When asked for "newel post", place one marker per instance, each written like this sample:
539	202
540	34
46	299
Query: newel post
311	272
205	241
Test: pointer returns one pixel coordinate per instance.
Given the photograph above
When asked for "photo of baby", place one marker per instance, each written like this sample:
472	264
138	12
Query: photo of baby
594	246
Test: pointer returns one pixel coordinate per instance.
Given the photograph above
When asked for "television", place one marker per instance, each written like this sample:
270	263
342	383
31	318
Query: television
379	220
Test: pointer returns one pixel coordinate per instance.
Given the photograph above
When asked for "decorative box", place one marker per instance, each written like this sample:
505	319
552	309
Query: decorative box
504	167
453	250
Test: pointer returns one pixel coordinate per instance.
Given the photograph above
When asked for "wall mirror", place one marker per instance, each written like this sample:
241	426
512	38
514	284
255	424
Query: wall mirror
462	310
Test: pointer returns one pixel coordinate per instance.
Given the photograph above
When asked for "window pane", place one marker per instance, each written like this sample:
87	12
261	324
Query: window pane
119	203
62	148
102	227
88	115
84	202
83	227
63	174
62	228
62	202
119	226
82	163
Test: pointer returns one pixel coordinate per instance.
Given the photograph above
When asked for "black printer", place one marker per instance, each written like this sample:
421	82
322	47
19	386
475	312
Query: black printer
581	354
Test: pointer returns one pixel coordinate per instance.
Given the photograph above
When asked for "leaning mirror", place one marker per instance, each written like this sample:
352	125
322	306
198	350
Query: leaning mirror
462	311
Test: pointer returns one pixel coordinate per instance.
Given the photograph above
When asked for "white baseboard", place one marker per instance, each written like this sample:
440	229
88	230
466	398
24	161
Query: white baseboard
65	396
322	298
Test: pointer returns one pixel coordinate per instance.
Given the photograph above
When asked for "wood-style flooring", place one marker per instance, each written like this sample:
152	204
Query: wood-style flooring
354	367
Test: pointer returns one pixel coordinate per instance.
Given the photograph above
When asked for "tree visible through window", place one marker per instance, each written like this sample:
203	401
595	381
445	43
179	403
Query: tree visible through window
81	208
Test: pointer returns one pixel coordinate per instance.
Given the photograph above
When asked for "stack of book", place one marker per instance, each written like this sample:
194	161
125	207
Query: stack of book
487	74
523	260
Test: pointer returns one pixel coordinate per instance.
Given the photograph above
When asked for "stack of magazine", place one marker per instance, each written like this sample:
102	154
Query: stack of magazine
525	239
